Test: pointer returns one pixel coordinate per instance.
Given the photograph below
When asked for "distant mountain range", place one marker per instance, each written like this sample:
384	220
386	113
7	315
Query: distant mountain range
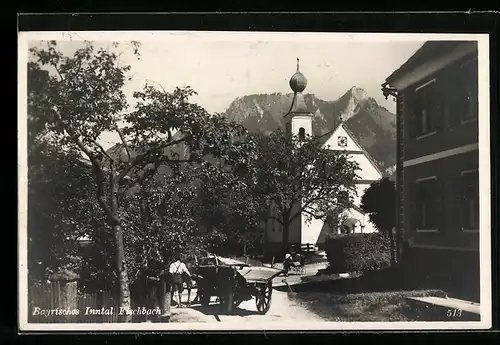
373	125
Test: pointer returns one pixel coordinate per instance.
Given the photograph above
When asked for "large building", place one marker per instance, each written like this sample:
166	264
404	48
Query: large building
299	121
437	159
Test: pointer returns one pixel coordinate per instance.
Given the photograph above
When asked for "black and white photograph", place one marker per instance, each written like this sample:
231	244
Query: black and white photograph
197	180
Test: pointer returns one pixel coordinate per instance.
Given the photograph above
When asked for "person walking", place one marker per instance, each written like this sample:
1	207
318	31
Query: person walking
287	263
177	269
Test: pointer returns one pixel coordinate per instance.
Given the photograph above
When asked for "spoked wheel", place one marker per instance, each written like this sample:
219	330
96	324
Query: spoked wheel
263	297
227	300
204	298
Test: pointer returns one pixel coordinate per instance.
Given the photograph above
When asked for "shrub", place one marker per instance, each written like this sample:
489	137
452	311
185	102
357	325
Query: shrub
358	252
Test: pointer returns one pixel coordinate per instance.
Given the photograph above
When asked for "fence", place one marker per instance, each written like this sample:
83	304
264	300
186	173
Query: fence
48	304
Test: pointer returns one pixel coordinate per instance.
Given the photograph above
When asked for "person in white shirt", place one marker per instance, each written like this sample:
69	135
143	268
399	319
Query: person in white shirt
177	269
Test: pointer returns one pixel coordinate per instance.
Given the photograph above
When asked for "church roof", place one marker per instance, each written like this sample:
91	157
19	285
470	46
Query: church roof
323	139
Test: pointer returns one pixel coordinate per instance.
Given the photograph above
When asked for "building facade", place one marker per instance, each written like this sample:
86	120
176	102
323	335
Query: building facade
436	92
299	121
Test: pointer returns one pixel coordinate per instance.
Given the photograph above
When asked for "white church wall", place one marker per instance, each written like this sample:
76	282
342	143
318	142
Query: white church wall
302	121
274	232
360	189
340	133
364	225
310	230
366	169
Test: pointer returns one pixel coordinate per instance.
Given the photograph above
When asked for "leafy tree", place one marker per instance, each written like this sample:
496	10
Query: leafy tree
300	177
60	209
79	97
379	201
225	203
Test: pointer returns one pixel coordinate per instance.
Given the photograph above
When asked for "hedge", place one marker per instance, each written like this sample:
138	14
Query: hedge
357	252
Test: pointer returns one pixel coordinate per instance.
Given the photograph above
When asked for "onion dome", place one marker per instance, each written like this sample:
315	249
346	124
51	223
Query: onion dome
298	81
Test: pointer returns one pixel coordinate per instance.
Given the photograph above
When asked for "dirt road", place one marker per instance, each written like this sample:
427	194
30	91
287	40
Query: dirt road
282	310
282	307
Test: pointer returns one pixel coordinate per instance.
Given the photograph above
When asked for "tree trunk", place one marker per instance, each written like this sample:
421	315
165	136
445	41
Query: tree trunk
123	280
286	236
393	246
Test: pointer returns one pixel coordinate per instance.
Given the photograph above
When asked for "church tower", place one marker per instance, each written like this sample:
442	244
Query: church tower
298	120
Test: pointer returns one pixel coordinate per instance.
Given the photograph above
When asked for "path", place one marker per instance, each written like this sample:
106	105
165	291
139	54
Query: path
282	308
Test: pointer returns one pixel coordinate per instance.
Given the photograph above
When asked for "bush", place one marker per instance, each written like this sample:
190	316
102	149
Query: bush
358	252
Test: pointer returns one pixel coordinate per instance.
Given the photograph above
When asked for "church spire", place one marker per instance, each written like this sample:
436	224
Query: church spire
298	120
298	83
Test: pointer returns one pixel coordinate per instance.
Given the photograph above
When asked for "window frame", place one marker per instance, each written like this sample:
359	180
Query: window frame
419	203
421	134
474	89
302	133
462	204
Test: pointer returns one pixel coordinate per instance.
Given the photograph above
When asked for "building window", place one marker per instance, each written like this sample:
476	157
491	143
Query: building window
468	91
302	133
427	104
428	205
470	200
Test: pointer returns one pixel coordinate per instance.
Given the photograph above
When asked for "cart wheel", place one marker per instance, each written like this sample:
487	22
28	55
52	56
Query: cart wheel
204	298
227	301
263	298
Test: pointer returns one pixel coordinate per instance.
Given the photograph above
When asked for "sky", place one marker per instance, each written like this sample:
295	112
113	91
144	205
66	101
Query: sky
222	68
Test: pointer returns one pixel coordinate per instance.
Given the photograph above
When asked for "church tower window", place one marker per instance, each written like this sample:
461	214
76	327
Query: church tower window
302	133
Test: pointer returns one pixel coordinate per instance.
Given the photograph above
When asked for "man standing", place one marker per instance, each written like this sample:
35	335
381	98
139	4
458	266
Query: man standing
177	270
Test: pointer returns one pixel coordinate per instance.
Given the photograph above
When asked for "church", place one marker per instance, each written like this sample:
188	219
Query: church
299	121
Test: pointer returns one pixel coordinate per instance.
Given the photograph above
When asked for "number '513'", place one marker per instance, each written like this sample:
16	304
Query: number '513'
454	312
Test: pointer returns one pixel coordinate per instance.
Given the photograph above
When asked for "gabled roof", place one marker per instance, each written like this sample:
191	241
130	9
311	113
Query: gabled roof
428	50
323	139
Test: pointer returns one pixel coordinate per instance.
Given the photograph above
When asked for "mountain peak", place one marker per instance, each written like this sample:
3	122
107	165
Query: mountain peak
358	93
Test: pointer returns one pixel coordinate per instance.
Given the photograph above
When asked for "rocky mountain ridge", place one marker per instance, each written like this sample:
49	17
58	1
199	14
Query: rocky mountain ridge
372	124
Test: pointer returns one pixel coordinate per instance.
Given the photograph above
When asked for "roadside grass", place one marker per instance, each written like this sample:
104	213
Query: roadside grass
362	307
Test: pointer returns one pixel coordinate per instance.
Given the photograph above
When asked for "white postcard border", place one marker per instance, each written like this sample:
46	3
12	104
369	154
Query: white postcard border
484	169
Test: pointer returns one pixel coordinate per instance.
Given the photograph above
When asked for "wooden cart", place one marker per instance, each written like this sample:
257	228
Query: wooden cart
234	282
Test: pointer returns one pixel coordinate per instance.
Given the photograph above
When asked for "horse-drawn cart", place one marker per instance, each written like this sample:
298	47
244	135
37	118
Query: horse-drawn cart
234	282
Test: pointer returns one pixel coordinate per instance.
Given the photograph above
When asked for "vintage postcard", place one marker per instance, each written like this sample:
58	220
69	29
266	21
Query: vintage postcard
253	181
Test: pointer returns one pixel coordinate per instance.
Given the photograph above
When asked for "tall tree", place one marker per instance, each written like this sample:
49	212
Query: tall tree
300	177
60	209
379	201
80	97
225	203
60	206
